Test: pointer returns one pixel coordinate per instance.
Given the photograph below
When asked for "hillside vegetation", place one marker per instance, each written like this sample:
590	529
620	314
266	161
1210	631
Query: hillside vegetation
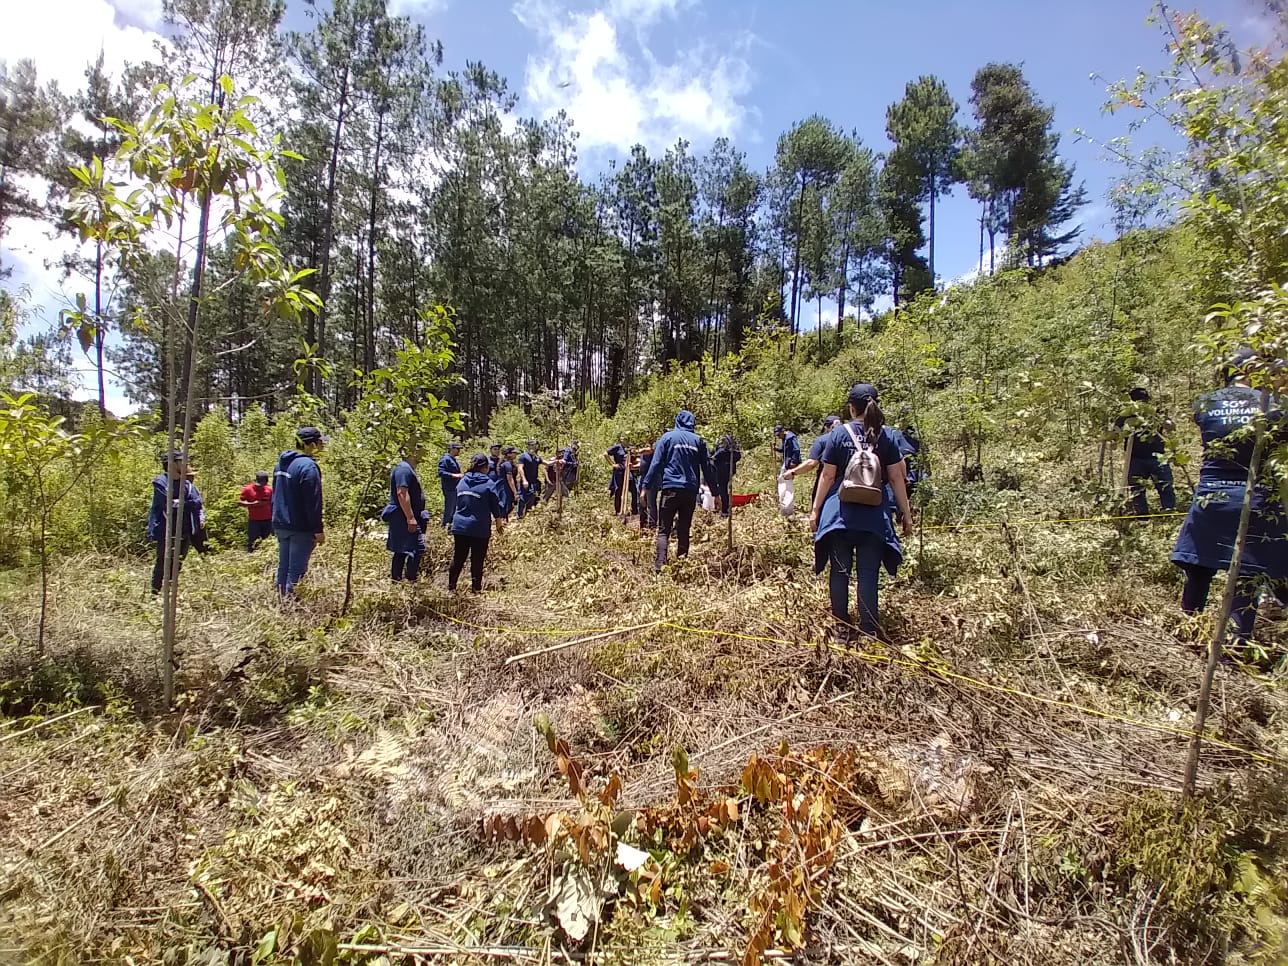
998	784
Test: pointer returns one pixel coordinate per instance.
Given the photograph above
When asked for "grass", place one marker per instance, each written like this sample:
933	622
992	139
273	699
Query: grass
322	788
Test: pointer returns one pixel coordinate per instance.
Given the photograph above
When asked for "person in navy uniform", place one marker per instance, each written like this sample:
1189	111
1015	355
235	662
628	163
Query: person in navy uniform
494	463
680	459
616	457
477	504
407	517
725	460
815	462
790	449
1147	446
1207	538
507	487
164	514
529	478
570	466
449	475
297	507
853	531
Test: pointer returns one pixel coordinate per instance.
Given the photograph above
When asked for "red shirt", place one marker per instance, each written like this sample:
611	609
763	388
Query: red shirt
261	497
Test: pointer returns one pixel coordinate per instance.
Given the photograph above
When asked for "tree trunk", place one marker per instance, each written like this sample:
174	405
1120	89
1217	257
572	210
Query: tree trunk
328	228
796	265
174	534
369	334
933	282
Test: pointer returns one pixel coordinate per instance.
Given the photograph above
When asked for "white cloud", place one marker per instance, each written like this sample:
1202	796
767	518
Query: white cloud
416	9
619	94
64	37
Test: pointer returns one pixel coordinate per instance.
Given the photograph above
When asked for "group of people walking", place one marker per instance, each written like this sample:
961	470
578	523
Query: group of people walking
864	473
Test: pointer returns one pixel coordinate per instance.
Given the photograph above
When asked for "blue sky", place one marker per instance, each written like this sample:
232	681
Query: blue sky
656	70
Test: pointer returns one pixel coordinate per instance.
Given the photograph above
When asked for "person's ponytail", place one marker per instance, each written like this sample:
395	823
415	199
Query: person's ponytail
863	403
873	421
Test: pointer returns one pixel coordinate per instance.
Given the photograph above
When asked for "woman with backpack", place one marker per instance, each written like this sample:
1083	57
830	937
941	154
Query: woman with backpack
859	458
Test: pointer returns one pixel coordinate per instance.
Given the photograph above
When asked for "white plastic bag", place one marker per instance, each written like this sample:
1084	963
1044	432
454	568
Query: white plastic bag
786	497
708	500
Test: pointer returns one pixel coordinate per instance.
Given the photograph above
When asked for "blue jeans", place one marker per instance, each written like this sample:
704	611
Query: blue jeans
449	508
1142	470
843	547
294	547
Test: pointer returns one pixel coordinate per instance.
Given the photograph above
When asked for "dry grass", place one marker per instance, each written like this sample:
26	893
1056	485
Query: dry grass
325	776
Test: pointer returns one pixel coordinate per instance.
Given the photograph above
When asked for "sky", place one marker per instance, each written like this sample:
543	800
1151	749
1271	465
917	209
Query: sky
652	71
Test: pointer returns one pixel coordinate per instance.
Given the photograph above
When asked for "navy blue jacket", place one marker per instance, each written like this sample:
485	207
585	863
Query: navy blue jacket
448	466
297	493
791	451
157	512
680	459
477	502
570	466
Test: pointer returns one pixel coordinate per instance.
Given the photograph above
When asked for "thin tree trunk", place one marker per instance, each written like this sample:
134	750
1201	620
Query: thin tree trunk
1232	579
796	265
328	228
174	534
369	335
933	285
98	326
44	569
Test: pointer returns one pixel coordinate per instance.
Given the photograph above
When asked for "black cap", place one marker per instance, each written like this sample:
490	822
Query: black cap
860	393
778	429
261	476
532	444
496	446
309	434
830	420
454	444
173	456
509	450
479	461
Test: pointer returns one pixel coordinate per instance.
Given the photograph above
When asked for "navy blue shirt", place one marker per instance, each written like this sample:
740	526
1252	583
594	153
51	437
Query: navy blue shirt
617	453
506	471
404	475
570	466
854	517
725	461
531	467
477	503
297	493
1222	414
447	468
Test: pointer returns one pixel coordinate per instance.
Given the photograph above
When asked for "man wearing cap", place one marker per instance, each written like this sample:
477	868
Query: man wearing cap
257	498
1145	448
297	507
529	478
164	512
477	504
791	449
407	517
449	475
494	463
570	465
815	463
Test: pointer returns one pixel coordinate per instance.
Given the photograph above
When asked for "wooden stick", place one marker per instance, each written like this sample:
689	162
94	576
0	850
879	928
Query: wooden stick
558	955
46	721
581	640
